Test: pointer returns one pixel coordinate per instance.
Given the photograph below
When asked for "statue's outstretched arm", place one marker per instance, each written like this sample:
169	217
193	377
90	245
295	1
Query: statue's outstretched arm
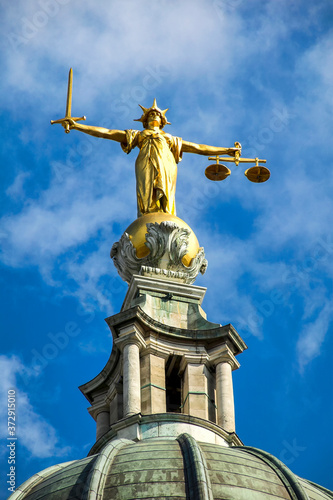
202	149
104	133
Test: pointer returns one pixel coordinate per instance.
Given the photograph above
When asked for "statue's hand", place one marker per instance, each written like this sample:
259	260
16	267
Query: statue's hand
236	151
68	124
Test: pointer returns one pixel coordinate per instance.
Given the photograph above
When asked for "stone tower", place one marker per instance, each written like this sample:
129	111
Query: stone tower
169	367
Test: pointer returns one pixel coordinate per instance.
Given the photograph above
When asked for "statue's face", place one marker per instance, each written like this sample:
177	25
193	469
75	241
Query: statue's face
154	119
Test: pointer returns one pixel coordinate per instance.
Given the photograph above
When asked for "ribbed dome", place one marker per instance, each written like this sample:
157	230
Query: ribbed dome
175	469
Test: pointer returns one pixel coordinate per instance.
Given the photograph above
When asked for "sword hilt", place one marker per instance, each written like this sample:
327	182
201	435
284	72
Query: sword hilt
62	120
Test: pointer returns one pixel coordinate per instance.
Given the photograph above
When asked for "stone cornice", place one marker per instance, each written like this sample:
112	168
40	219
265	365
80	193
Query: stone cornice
205	336
94	384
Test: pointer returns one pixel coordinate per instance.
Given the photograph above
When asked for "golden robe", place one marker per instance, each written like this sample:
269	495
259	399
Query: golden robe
155	169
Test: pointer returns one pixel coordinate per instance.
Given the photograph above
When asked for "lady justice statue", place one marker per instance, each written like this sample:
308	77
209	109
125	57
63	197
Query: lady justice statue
158	242
159	154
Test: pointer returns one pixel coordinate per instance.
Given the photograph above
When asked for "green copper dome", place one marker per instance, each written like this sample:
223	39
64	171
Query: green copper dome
180	468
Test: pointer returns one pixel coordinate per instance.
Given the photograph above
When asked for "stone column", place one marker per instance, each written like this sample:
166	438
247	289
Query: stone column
225	397
131	374
102	423
195	388
225	362
130	341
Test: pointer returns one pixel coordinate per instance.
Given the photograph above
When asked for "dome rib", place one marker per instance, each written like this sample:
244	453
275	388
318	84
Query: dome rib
97	476
322	489
198	486
289	479
25	488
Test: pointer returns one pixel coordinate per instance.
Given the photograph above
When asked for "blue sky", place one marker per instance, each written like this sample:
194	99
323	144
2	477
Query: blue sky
258	72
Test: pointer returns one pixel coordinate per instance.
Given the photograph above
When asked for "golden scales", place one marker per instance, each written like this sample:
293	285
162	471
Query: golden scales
219	172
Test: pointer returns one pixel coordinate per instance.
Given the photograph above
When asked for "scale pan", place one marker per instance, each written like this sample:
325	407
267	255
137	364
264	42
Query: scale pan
217	172
257	174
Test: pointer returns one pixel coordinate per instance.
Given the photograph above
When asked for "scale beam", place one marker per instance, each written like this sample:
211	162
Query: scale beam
235	160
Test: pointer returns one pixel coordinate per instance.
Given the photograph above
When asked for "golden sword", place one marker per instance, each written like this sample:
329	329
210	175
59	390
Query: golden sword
69	105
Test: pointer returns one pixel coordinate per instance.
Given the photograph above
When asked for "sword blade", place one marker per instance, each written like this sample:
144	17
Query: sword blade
69	94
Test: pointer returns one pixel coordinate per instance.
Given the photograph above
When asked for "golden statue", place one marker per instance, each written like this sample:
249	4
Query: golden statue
163	243
156	164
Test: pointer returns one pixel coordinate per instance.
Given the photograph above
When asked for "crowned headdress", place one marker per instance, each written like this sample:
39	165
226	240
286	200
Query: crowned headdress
154	107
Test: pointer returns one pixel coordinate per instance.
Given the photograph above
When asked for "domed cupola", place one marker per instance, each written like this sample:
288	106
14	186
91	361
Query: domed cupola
164	468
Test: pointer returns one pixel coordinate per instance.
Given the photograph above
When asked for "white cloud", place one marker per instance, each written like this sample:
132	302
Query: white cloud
33	431
67	213
80	205
95	278
188	39
16	190
313	336
317	62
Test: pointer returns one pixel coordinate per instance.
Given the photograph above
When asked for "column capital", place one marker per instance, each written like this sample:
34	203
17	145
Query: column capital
130	334
198	358
98	408
223	354
156	347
